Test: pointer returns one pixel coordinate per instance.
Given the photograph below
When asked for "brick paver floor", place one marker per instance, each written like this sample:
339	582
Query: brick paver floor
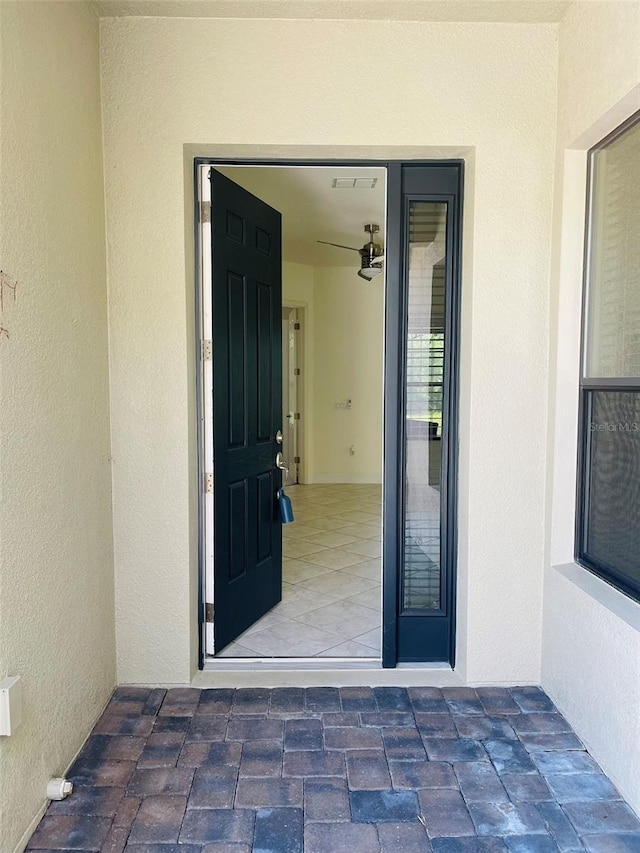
327	770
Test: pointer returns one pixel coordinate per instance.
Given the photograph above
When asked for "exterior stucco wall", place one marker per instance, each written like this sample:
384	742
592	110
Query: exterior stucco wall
591	633
295	86
57	624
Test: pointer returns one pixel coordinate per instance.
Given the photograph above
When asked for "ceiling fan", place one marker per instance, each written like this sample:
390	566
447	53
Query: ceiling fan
371	254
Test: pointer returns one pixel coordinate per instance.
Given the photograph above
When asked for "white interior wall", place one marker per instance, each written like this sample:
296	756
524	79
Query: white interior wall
348	339
487	88
591	633
343	342
56	578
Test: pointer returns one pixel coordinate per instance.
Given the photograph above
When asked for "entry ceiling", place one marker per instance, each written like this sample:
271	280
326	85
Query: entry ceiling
515	11
312	209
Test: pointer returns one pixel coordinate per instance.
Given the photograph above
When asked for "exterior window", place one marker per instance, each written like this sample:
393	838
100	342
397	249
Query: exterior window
608	540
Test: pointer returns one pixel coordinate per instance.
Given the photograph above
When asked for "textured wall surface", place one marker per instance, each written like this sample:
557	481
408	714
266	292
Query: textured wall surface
593	77
489	87
56	578
591	655
591	667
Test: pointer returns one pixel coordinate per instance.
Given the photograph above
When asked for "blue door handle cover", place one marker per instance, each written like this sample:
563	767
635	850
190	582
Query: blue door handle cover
286	508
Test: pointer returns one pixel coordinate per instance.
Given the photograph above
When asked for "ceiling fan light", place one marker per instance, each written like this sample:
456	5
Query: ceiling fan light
369	272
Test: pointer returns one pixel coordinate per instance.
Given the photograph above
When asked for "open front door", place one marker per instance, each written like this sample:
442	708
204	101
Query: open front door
247	394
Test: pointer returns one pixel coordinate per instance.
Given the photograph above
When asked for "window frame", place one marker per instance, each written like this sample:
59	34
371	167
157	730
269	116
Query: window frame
588	385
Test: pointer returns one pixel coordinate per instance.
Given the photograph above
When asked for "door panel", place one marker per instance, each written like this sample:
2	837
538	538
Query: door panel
236	337
265	363
247	388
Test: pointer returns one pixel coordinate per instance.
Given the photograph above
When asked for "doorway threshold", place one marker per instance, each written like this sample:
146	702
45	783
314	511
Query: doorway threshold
331	672
216	664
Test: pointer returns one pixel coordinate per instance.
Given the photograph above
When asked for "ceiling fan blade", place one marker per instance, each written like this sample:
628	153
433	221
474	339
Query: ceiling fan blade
378	259
338	246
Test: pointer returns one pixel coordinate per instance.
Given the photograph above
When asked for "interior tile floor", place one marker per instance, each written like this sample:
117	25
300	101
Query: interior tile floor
328	770
331	591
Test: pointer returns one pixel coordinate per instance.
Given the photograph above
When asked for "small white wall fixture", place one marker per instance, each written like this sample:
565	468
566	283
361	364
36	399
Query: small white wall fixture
10	705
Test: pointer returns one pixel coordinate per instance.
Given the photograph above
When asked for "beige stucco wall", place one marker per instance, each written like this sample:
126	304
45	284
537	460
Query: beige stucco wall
56	576
591	633
294	86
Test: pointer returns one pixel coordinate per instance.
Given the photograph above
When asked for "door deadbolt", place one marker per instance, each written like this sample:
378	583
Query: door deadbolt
279	437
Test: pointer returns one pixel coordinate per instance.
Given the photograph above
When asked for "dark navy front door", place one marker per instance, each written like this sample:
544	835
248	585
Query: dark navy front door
247	405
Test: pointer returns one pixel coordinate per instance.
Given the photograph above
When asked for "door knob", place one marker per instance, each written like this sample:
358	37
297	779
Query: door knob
280	462
279	437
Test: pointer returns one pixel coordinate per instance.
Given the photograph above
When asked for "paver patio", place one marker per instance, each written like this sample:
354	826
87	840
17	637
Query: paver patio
327	770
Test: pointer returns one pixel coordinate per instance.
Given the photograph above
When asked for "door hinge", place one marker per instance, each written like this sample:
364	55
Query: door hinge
208	484
207	350
296	371
205	211
296	327
297	416
296	459
208	611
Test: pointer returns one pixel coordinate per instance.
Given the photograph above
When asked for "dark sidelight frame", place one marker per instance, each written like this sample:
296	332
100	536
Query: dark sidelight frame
412	635
407	636
589	387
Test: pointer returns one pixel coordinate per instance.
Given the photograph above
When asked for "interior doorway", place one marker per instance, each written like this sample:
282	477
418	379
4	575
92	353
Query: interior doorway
292	392
330	429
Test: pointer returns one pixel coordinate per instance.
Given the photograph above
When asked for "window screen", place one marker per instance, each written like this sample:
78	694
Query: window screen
609	500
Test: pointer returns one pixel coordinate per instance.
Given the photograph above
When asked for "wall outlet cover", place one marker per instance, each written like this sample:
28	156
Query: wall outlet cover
10	705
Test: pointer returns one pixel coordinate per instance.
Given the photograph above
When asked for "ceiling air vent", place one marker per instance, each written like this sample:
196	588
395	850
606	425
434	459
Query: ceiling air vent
354	183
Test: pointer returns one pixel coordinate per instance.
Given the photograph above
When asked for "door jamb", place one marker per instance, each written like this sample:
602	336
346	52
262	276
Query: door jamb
392	474
204	384
304	384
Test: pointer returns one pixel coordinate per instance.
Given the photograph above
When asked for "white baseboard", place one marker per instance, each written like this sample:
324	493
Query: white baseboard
355	479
